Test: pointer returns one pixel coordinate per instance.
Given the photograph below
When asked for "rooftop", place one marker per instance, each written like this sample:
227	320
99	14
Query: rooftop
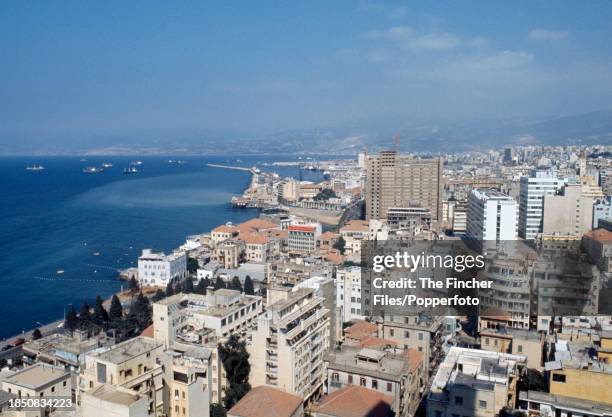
127	350
370	362
116	395
265	401
37	376
355	401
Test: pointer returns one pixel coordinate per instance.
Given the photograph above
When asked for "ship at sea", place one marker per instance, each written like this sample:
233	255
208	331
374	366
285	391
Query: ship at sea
107	165
92	170
35	168
130	170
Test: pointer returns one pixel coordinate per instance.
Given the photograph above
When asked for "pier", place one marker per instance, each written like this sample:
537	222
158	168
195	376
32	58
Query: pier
252	170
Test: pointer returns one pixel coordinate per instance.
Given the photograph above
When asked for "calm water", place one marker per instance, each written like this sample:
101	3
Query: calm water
58	218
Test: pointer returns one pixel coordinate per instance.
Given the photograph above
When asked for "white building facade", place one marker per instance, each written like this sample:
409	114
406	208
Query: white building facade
491	216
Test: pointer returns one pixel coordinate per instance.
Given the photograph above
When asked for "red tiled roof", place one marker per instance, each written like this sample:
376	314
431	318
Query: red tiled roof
600	235
265	401
355	401
298	228
361	329
356	225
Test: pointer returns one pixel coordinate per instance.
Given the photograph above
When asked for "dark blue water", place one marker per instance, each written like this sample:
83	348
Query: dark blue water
58	218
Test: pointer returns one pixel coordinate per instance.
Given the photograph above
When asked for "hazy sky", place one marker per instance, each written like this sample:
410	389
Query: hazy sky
82	69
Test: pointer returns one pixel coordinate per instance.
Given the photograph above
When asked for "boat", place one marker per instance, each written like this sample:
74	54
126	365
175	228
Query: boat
130	170
59	271
92	170
35	168
107	165
96	254
136	163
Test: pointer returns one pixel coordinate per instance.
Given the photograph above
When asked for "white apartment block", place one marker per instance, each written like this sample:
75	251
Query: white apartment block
288	345
348	293
303	238
187	317
531	203
158	269
473	382
491	216
569	214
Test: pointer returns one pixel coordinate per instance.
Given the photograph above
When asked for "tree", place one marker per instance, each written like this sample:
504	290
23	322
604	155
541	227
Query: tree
188	286
169	290
140	312
192	265
200	288
36	334
236	285
219	283
133	284
159	295
100	315
235	360
248	286
85	316
325	194
340	245
71	322
217	410
115	313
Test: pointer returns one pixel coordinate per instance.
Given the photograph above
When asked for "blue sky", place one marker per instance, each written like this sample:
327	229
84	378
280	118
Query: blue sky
97	69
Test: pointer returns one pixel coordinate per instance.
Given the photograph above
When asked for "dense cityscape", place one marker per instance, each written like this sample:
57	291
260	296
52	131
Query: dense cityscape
274	316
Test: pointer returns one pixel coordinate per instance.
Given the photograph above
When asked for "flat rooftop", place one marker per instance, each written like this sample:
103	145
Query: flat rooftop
127	350
37	376
115	395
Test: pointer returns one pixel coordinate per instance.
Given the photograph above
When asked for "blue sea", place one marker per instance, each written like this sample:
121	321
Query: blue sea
91	225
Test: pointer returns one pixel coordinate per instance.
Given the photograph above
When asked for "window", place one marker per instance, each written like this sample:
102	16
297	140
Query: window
335	377
406	334
458	400
374	384
391	332
350	379
362	382
389	387
482	404
520	348
558	377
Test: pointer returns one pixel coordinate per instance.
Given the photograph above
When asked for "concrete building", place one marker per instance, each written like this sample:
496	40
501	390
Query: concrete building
288	345
575	373
229	253
302	239
528	343
188	379
537	403
158	269
602	210
533	188
397	375
115	401
598	245
131	364
189	317
476	383
568	214
399	181
423	334
491	216
348	293
37	381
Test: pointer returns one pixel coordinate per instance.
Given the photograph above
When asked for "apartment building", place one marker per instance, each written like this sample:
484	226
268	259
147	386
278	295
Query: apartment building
423	334
538	403
189	317
111	400
394	181
491	216
399	375
37	381
569	213
158	269
348	293
188	379
528	343
302	239
533	188
288	345
131	364
476	383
